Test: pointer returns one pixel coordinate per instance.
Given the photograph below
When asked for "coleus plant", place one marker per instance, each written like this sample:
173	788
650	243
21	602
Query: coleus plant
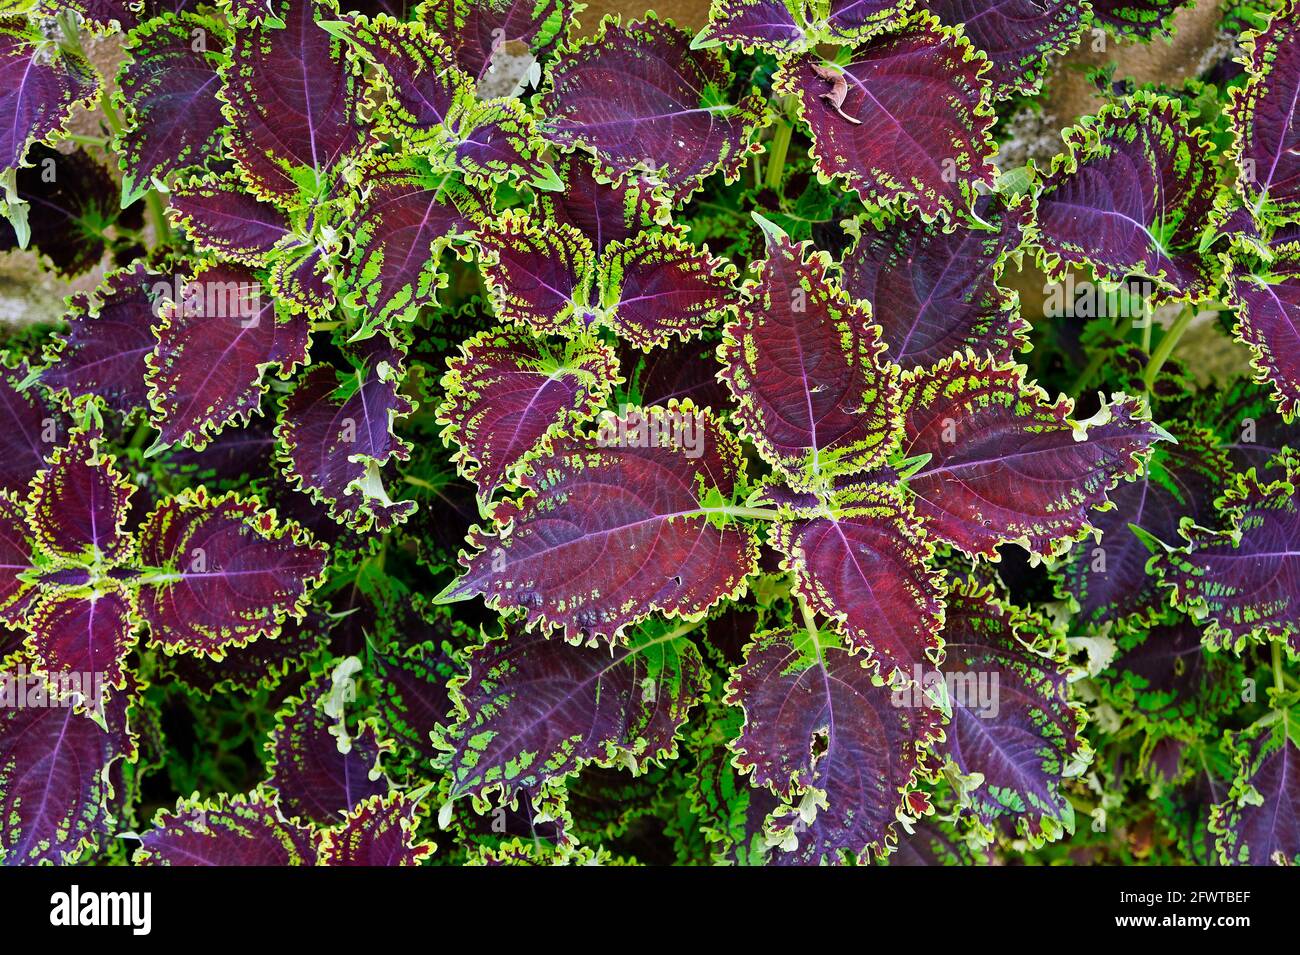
480	439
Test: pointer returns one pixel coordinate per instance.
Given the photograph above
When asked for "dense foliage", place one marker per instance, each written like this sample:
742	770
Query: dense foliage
496	442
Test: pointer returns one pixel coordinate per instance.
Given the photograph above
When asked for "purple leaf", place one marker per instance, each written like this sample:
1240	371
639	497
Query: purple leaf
34	427
302	276
223	572
82	635
1131	196
657	286
17	591
534	709
863	118
39	88
1017	36
603	212
379	831
214	349
220	217
1268	320
102	354
318	767
416	73
610	527
852	21
934	290
639	98
861	559
1259	823
336	432
494	141
508	389
478	29
291	103
1012	719
171	90
767	25
1107	579
80	503
1139	18
536	276
1242	580
801	360
1005	464
408	214
414	698
1263	114
55	788
819	730
228	831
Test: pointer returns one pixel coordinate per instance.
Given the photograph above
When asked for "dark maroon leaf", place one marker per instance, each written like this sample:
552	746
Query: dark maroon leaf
508	389
320	769
224	573
34	427
1013	722
611	527
291	101
863	118
170	85
1017	36
379	831
820	732
640	98
39	87
220	217
54	783
533	709
1005	464
933	288
336	432
227	831
102	354
214	348
801	361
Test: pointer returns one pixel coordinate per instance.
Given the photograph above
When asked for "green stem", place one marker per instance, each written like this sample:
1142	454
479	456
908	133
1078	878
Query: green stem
141	433
758	513
1166	346
776	154
810	624
1279	677
80	140
163	229
414	481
